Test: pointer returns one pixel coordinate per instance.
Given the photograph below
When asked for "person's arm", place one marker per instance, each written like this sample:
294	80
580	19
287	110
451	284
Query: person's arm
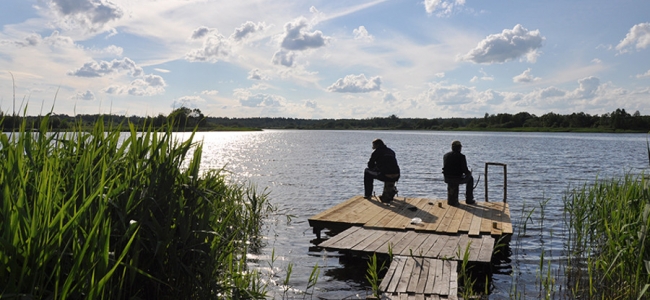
372	163
466	170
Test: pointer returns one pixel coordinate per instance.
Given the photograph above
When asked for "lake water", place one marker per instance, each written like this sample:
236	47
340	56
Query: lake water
306	172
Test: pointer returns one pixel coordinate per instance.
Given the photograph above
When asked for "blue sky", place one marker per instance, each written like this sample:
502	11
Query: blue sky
324	59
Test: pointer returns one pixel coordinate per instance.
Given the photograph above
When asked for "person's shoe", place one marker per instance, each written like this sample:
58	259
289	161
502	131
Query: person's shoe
454	204
470	202
385	199
367	197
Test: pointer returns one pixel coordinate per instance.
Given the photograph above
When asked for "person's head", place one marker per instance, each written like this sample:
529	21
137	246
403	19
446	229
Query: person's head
377	143
456	146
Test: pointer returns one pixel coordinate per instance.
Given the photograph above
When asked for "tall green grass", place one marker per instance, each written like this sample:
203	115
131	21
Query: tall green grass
103	215
608	247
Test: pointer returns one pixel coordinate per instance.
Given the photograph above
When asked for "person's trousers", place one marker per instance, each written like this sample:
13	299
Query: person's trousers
370	175
467	180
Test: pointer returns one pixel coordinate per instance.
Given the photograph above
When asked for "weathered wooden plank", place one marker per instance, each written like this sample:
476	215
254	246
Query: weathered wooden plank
422	249
431	278
439	213
399	246
359	212
475	248
434	251
403	216
418	269
414	246
390	273
391	242
446	277
401	262
335	209
461	247
369	240
375	221
475	227
455	222
453	282
446	220
406	275
422	213
380	241
422	281
487	246
327	243
351	239
450	247
437	286
467	218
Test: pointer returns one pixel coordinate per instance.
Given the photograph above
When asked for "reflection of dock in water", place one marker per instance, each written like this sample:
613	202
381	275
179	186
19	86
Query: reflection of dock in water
426	237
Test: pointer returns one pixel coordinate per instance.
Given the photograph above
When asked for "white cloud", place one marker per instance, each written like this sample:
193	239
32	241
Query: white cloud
88	14
215	46
551	92
200	32
98	69
389	98
210	92
311	104
362	34
638	37
111	50
247	29
297	36
256	74
525	77
485	77
356	84
188	101
506	46
148	85
450	94
646	74
87	95
443	7
588	87
55	40
285	58
248	99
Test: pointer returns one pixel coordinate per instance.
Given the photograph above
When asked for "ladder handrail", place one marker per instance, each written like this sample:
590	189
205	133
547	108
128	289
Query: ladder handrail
505	180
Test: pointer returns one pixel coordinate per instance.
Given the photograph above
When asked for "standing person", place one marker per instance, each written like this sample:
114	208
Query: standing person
381	166
456	172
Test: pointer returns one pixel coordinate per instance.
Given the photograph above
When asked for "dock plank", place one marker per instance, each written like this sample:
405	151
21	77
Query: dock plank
402	285
338	237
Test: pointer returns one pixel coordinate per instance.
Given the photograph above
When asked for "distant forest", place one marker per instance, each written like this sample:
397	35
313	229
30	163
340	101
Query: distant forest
184	119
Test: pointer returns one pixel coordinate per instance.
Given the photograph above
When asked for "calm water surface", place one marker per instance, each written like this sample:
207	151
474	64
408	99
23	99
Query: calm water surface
306	172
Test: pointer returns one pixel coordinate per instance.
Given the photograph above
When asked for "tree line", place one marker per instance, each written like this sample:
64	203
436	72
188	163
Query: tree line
187	119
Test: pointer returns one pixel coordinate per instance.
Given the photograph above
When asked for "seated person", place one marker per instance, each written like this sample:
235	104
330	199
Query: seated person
456	172
381	166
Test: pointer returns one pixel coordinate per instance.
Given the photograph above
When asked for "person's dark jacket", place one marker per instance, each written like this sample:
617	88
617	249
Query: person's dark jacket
455	164
383	159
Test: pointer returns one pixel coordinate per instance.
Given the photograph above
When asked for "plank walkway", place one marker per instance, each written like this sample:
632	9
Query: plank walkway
420	278
491	218
411	243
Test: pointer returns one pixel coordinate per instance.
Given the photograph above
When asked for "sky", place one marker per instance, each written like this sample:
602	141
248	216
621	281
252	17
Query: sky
324	59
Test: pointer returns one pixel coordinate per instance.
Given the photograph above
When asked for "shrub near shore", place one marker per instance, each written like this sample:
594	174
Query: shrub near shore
91	215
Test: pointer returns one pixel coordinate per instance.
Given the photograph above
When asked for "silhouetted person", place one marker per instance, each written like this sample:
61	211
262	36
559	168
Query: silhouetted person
456	172
381	166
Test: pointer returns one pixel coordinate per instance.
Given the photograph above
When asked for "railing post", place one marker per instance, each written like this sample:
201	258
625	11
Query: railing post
505	180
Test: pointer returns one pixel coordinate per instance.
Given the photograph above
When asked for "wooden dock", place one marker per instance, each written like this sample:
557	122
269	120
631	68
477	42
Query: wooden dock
425	236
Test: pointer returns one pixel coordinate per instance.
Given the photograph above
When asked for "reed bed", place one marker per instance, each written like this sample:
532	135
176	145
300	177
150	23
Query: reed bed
103	215
608	246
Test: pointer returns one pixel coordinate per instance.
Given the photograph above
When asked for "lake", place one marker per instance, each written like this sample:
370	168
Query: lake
306	172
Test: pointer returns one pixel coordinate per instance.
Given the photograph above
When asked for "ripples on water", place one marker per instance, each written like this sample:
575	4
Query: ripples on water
306	172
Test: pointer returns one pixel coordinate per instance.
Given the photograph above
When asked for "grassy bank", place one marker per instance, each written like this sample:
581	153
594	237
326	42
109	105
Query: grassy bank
95	215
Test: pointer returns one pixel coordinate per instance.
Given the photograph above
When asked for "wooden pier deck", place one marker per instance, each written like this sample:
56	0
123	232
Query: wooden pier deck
483	218
426	236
